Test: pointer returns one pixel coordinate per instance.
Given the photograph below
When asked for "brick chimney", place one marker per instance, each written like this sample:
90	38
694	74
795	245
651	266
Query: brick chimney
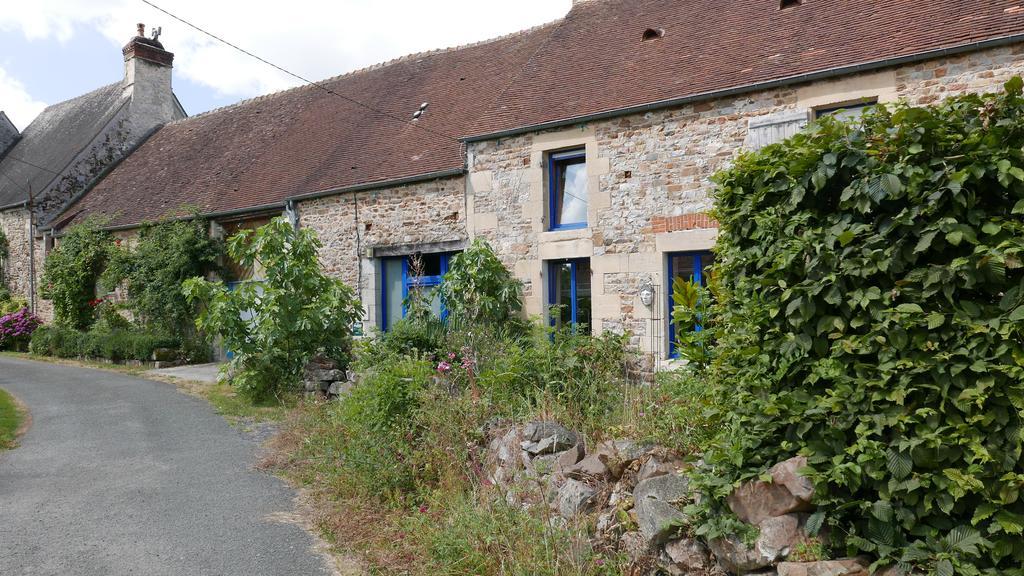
147	78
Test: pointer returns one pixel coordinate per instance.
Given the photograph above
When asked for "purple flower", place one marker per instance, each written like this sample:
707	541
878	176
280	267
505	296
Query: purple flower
17	327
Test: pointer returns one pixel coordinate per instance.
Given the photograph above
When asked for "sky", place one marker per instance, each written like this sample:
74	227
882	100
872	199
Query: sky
53	50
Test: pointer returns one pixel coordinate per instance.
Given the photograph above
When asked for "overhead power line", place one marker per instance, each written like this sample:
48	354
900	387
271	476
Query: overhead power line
299	77
26	162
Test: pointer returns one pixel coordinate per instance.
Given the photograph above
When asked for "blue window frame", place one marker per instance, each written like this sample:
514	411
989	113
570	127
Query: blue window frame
686	265
569	294
567	190
398	277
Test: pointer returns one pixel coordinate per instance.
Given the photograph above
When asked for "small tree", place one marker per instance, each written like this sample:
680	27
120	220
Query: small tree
478	287
72	270
694	322
275	325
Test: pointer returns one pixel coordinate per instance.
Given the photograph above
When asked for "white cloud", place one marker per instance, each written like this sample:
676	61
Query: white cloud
313	38
16	102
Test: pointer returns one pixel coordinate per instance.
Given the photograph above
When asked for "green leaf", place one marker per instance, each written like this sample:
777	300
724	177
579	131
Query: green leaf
944	568
1017	315
1018	208
910	308
1014	86
814	523
935	319
898	463
891	184
925	241
955	237
846	237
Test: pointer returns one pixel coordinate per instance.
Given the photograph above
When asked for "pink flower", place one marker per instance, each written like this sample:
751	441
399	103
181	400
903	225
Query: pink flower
451	355
444	367
423	508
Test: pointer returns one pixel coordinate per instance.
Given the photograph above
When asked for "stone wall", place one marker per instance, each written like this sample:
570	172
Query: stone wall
403	219
649	181
15	272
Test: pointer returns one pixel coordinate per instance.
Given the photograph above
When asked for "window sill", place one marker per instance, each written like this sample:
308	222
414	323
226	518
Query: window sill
556	235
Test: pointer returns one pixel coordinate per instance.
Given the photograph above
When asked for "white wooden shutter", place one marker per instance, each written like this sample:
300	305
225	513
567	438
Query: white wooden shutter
772	128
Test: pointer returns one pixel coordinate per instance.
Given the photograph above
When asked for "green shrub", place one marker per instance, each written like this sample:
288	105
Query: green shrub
117	345
153	268
72	270
295	312
872	319
479	289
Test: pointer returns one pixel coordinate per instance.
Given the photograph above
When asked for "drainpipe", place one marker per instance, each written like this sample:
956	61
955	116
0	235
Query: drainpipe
31	253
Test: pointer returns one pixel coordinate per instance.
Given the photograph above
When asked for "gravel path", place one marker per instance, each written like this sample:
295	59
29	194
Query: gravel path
120	475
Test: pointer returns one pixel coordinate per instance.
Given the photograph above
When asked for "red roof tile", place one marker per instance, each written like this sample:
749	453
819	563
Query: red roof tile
597	62
302	141
306	140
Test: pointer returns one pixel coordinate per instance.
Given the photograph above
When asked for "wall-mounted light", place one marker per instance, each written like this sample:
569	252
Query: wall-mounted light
647	294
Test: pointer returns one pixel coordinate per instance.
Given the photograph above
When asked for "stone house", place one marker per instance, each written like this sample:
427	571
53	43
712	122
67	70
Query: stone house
70	144
581	149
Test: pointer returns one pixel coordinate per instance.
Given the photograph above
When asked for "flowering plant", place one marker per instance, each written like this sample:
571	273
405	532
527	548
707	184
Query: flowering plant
16	328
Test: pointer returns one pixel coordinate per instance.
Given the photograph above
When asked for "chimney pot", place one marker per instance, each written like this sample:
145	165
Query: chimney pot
142	29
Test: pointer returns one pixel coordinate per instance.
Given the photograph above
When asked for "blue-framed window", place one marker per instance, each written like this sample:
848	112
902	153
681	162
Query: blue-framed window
688	266
569	293
567	190
403	275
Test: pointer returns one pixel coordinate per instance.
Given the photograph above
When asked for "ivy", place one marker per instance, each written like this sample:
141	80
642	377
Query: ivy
153	267
871	317
72	270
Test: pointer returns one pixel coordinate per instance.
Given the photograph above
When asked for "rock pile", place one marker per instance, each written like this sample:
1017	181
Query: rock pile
636	494
322	378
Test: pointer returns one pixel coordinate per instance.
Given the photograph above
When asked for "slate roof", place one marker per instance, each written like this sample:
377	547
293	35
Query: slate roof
54	139
306	140
303	141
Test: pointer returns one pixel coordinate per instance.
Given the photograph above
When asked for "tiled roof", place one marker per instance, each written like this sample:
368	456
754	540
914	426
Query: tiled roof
54	139
303	141
596	61
306	140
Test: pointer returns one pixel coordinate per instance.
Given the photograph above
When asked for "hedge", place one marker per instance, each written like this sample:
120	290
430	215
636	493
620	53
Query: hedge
871	318
116	346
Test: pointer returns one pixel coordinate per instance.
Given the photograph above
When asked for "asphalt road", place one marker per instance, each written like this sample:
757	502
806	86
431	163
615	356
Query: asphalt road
119	475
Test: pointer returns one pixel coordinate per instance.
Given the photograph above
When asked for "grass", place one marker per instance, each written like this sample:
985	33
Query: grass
11	418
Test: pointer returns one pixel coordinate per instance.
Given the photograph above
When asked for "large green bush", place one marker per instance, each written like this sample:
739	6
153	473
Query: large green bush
72	270
872	317
276	325
153	267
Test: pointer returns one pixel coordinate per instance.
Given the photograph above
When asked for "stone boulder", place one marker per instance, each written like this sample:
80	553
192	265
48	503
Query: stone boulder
592	467
617	455
688	556
658	465
788	492
843	567
542	437
575	498
776	539
569	458
655	501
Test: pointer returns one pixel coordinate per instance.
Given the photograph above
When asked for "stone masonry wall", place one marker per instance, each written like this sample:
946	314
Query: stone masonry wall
409	216
15	272
648	170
